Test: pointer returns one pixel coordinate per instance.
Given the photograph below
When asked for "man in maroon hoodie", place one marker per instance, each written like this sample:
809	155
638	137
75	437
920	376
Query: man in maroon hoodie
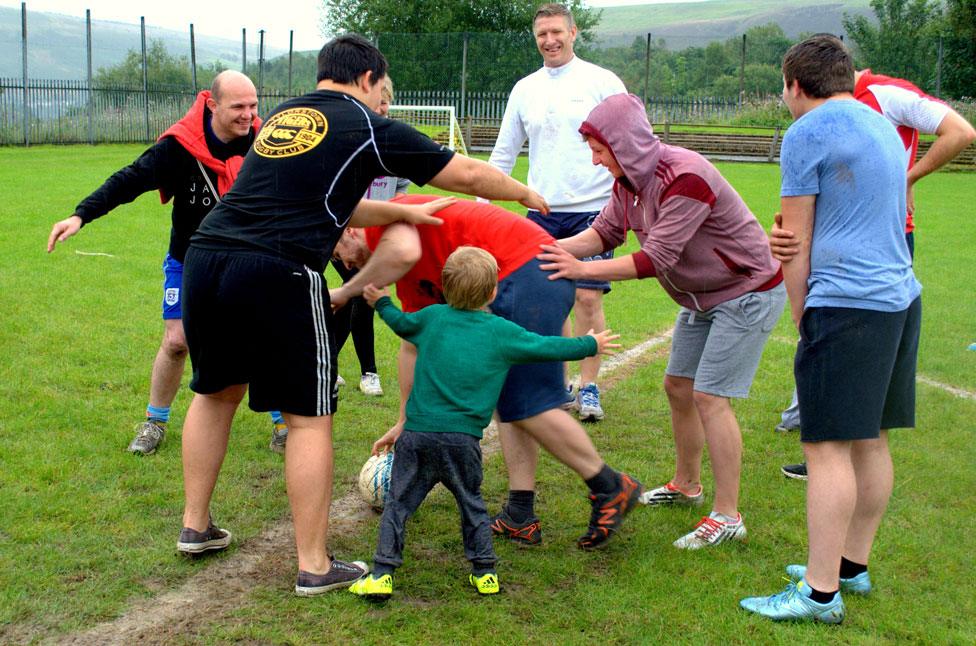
194	163
708	251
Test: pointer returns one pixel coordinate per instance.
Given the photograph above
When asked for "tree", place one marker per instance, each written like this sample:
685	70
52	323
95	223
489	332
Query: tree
443	16
903	43
959	49
423	40
162	68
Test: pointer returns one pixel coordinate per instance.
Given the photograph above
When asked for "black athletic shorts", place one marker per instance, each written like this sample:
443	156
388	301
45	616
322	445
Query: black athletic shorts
855	371
257	319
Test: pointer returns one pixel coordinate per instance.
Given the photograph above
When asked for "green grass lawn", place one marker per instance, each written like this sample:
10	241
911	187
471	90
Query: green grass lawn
87	530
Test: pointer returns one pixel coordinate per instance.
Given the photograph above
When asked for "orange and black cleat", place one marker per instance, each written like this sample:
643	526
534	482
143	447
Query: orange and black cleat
527	533
608	513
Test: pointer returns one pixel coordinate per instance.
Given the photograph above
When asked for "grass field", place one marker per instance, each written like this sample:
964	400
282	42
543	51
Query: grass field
87	531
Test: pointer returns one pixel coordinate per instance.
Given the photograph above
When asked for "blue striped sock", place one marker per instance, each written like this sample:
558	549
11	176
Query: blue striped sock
276	417
160	415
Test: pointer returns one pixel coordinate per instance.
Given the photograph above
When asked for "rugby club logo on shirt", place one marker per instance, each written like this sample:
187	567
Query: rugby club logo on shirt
291	132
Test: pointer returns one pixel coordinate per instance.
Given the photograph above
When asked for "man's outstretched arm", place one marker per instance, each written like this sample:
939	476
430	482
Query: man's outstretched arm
396	253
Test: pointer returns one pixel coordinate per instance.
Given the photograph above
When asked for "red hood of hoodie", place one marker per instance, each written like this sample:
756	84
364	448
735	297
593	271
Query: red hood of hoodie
190	133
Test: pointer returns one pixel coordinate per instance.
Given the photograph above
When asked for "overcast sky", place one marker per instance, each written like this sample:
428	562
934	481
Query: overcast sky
225	18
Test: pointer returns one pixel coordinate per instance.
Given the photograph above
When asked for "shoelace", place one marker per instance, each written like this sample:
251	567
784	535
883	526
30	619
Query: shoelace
151	430
787	594
588	397
707	528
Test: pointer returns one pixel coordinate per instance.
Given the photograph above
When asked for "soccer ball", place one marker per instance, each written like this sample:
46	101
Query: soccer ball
374	479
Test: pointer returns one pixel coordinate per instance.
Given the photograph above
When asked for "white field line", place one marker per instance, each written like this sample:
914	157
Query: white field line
631	355
231	578
94	253
962	393
952	390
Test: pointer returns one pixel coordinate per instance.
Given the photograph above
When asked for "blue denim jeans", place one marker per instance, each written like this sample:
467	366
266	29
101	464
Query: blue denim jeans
422	460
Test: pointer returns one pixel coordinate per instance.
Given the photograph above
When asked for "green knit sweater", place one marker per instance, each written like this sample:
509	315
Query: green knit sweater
462	359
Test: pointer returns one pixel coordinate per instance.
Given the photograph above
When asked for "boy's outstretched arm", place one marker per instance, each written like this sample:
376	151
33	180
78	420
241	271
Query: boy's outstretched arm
406	360
604	341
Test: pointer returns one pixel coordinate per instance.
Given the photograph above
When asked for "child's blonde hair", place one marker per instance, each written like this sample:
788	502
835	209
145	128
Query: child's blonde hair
470	276
387	89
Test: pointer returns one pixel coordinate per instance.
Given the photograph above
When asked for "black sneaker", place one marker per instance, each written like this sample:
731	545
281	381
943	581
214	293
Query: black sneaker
193	542
795	471
527	533
608	513
340	575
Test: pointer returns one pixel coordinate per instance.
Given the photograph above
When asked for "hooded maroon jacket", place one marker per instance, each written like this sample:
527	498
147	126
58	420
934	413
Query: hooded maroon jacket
697	236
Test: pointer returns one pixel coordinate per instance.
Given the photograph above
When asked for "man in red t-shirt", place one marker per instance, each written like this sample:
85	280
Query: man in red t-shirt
531	400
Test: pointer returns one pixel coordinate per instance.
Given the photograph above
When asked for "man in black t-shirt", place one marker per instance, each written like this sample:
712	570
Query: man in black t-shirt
269	241
194	162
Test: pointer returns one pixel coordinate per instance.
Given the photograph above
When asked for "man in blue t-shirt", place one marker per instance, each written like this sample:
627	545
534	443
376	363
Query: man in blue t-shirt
856	302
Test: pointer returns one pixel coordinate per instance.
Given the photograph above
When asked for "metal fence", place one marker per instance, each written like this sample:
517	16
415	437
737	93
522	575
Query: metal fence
71	112
473	72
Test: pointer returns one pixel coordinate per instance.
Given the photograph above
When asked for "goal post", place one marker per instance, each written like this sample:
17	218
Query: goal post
439	122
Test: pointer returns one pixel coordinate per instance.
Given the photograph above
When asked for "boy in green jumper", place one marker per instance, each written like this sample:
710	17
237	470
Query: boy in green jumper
450	404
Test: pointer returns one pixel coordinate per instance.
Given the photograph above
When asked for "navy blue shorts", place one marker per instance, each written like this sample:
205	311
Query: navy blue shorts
562	224
172	282
540	305
855	371
286	353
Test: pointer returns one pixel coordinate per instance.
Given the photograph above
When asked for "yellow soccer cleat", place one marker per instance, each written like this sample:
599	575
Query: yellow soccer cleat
373	587
487	583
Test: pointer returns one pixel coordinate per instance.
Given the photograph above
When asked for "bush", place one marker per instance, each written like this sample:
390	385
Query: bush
763	112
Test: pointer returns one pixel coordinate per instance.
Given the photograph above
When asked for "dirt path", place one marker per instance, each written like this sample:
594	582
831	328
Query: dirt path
220	588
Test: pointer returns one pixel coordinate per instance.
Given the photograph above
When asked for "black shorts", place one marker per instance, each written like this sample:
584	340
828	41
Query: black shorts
260	320
855	371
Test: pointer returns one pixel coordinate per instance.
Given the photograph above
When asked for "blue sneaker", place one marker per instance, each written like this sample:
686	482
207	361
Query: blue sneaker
860	584
794	604
590	409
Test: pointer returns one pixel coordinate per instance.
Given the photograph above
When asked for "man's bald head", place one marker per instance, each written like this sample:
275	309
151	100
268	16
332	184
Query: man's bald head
234	104
229	80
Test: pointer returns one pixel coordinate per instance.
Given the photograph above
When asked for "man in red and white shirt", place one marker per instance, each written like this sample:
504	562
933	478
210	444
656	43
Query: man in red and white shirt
912	112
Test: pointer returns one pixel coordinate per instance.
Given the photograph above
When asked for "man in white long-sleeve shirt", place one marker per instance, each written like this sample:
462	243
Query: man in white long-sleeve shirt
547	107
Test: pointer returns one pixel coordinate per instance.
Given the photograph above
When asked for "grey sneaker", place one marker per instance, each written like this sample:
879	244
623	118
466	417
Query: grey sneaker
340	575
279	436
795	471
148	437
369	385
783	428
212	539
590	409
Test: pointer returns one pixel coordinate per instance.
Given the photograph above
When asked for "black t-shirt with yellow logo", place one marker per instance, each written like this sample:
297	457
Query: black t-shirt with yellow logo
310	165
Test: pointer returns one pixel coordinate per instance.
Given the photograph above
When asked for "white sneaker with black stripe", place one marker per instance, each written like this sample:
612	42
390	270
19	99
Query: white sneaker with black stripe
713	529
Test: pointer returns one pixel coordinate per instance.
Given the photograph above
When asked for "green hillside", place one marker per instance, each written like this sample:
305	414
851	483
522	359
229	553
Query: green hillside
697	23
56	44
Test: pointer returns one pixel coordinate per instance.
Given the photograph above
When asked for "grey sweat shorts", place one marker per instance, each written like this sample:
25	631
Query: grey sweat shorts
719	349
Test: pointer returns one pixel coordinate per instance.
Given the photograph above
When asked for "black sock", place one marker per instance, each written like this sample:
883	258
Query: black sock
381	569
821	597
850	569
521	505
606	481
